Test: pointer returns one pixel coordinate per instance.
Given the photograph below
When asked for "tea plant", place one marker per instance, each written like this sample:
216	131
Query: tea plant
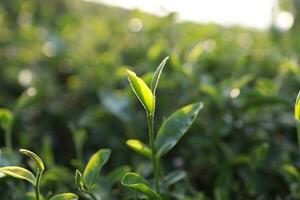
87	182
170	132
22	173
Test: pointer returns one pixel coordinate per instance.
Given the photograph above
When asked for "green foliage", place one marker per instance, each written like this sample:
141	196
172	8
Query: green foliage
139	147
34	157
19	172
142	91
137	182
168	136
64	62
175	126
65	196
94	166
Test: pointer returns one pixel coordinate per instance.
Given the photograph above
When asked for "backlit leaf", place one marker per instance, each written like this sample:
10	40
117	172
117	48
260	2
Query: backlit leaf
175	126
142	91
157	74
19	172
34	157
139	147
94	166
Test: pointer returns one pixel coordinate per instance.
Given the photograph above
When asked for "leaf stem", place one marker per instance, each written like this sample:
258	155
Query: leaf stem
37	184
150	119
7	136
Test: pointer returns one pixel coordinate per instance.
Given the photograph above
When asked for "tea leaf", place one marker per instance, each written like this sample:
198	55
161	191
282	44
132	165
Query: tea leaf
297	108
175	126
65	196
18	172
78	180
116	175
139	183
174	177
139	147
142	91
94	166
34	157
156	75
6	118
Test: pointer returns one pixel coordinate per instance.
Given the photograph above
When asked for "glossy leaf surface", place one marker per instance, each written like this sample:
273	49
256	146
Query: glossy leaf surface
19	172
175	126
156	75
94	166
34	157
139	147
142	91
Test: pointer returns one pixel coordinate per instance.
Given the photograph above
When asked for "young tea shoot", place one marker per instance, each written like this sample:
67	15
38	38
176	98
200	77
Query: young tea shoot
22	173
170	132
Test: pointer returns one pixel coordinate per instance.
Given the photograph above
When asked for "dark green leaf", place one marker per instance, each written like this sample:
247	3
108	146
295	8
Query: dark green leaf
174	127
116	175
139	183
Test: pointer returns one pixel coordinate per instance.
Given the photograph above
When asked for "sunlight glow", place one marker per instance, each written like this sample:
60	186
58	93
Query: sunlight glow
251	13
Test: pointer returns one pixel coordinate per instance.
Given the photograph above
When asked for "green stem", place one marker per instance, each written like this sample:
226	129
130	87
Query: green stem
153	149
8	141
37	184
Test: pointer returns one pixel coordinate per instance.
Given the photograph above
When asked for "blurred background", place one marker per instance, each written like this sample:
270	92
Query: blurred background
62	73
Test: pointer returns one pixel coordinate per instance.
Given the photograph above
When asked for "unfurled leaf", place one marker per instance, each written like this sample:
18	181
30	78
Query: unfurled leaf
18	172
139	147
175	126
142	91
94	166
34	157
156	75
65	196
139	183
174	177
116	175
6	118
78	180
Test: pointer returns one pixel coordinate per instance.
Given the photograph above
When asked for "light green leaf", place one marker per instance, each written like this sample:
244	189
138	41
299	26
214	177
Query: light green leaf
139	183
297	116
34	157
78	180
157	74
297	108
94	166
142	91
65	196
139	147
175	126
18	172
6	118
